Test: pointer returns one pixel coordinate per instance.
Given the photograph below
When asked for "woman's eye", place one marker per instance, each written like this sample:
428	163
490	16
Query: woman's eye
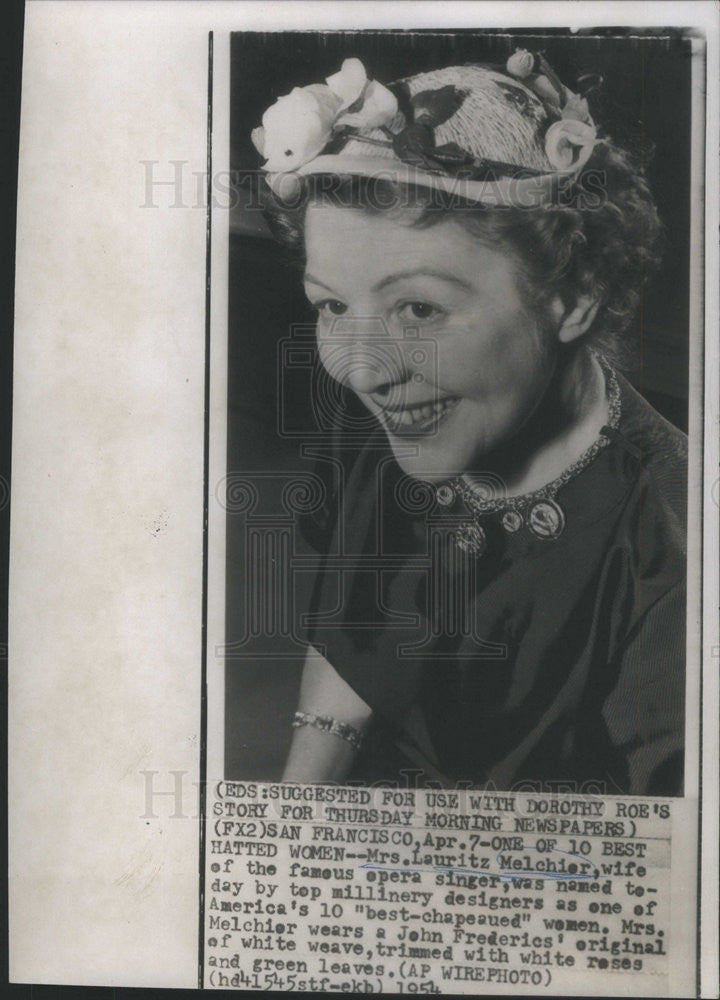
419	310
331	307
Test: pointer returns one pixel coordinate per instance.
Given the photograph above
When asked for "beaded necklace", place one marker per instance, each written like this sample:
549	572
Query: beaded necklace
539	510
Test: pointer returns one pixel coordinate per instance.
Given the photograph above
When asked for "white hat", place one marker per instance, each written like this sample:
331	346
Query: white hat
481	134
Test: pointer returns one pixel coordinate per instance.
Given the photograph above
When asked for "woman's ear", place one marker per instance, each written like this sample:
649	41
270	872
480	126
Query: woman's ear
574	321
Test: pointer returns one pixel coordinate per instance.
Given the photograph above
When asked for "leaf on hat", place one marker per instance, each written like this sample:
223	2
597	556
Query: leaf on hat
525	104
414	145
576	107
402	93
588	83
433	107
557	93
452	155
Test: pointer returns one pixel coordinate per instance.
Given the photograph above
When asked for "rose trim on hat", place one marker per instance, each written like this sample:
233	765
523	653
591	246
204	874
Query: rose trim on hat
569	143
321	118
300	124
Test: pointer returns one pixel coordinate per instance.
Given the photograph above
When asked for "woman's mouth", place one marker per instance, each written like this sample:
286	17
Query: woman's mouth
419	419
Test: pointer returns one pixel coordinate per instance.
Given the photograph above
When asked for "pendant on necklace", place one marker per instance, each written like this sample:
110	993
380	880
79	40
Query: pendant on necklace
445	495
471	538
546	519
512	521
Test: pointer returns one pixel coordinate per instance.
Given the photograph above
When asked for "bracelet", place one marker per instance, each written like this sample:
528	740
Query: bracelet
326	724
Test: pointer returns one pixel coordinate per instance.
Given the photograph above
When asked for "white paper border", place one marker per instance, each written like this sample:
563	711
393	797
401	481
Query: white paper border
95	898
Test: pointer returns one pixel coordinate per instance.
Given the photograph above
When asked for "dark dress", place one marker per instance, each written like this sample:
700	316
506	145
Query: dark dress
543	664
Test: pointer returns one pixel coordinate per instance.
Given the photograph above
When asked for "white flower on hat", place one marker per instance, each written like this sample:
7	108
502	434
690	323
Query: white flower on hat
376	105
349	82
521	64
379	107
300	124
296	127
569	143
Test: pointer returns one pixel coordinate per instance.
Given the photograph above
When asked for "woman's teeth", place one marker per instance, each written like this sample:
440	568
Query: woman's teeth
420	414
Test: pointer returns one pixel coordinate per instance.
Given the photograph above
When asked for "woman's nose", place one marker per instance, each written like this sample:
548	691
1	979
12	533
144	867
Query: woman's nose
365	371
364	357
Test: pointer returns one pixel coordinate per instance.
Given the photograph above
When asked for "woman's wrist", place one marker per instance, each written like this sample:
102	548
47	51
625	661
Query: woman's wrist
329	725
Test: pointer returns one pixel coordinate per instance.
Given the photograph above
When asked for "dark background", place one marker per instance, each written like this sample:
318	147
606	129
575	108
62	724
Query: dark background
643	104
11	44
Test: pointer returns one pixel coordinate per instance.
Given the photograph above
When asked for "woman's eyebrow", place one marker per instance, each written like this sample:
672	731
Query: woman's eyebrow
400	276
425	273
316	281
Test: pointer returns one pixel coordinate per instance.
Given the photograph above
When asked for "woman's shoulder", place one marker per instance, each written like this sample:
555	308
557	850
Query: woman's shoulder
346	467
662	450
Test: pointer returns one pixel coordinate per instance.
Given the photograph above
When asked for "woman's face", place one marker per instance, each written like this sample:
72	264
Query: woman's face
430	330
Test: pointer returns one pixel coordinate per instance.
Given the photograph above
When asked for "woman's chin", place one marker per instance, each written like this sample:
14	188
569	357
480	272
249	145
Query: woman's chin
423	462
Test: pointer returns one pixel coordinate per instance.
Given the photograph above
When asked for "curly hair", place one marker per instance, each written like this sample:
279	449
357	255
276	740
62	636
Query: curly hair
601	237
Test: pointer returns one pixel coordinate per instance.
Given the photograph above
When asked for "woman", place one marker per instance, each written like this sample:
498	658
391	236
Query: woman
502	599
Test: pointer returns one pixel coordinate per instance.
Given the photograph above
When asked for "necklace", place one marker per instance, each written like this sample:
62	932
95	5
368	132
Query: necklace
539	510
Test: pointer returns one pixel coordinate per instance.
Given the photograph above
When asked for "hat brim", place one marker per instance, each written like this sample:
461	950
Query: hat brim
516	192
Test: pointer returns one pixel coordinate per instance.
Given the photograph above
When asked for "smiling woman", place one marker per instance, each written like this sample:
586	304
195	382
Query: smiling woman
495	356
500	590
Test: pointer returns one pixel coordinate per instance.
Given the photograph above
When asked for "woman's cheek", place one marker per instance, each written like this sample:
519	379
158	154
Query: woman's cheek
469	358
327	356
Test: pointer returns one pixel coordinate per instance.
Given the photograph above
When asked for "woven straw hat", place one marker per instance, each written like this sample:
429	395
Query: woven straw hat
489	123
483	134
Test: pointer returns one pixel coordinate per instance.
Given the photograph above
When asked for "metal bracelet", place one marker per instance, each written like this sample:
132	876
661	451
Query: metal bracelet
326	724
